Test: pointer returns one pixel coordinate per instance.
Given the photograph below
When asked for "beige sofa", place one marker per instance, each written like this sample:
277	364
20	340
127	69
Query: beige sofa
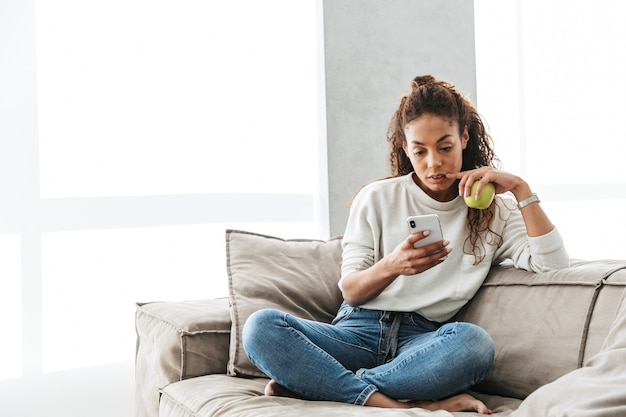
560	337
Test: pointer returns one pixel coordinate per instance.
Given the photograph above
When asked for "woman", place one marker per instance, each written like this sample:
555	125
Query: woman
392	343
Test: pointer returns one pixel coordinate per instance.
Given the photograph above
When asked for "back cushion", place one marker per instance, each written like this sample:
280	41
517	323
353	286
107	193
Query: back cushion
547	324
297	276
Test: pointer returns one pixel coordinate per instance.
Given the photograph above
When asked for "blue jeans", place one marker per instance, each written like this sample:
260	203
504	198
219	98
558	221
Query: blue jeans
401	355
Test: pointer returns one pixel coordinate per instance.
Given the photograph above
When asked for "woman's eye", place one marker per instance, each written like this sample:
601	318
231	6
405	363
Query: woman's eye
446	148
418	152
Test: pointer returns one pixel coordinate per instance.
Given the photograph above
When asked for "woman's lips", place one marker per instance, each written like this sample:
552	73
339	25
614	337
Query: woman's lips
437	179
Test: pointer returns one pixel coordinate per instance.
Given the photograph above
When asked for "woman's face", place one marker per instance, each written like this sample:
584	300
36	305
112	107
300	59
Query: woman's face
435	148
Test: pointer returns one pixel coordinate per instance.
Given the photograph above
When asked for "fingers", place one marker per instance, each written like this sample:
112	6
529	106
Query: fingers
416	237
438	251
424	258
467	178
433	258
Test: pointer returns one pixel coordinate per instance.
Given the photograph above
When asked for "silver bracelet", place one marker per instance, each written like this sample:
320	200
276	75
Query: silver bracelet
532	199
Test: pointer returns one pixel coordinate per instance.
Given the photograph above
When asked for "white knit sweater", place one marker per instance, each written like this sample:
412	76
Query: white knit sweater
377	224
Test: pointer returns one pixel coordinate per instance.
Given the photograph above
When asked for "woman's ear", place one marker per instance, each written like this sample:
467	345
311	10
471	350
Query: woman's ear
465	138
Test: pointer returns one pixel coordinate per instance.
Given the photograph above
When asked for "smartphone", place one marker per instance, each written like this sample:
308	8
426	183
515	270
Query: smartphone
426	222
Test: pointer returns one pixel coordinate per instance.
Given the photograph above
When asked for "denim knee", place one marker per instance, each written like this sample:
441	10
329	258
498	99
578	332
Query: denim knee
481	348
258	326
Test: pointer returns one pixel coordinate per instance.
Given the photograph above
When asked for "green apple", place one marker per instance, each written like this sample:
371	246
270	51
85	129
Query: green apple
486	196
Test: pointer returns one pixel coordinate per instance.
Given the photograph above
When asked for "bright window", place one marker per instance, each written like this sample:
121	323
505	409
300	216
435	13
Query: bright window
550	81
10	306
132	134
93	278
149	97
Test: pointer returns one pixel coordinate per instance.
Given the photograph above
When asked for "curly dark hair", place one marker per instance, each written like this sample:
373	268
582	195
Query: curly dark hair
440	98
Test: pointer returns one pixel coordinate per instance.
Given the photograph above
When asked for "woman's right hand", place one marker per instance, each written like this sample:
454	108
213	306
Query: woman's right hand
406	259
361	286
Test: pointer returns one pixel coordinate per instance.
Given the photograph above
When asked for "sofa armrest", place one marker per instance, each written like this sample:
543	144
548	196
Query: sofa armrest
176	341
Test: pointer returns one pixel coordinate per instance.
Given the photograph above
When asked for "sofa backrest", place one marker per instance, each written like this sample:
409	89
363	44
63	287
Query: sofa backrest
547	324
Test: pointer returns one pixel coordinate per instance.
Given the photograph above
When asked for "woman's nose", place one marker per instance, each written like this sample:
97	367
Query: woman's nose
434	161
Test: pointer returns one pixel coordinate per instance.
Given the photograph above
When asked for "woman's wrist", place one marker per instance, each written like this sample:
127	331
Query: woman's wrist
522	191
528	201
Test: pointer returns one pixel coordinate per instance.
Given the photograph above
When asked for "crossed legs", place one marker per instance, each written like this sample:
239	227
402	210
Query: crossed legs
343	363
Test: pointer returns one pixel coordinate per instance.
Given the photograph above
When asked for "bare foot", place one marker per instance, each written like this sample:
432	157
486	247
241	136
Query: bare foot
274	389
460	402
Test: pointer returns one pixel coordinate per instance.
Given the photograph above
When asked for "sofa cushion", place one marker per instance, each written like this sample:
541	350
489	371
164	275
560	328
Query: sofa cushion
224	396
296	276
547	324
596	390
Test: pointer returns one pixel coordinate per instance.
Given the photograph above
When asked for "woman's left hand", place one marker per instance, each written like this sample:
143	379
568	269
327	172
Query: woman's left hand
536	221
503	182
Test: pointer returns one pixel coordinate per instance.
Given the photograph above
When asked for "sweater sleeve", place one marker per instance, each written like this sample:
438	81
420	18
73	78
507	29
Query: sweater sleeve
360	241
536	254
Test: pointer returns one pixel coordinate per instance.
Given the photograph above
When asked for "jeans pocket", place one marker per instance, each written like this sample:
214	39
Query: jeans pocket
344	313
